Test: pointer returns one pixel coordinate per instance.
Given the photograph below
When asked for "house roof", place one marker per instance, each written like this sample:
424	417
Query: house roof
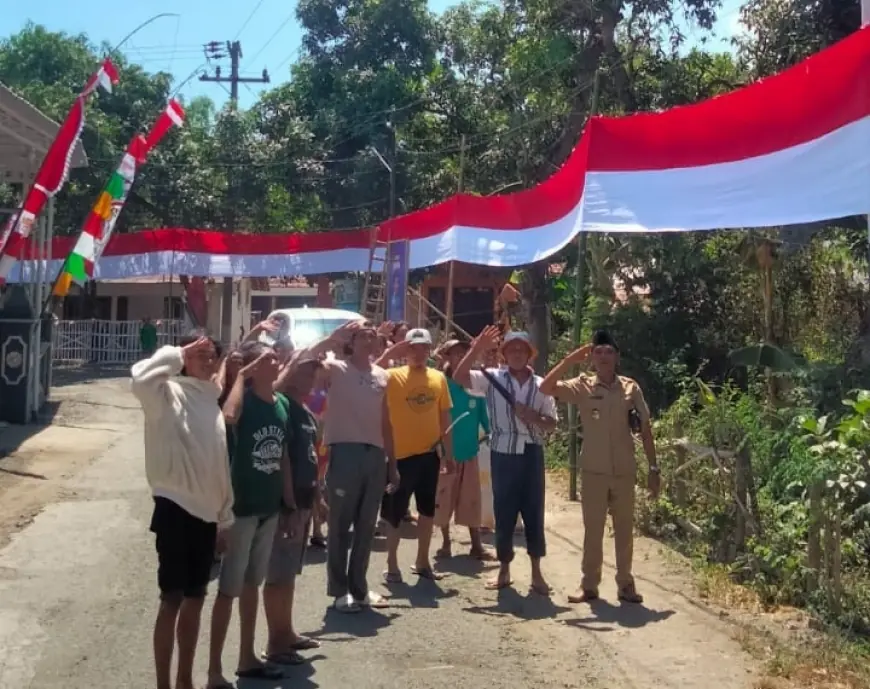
25	136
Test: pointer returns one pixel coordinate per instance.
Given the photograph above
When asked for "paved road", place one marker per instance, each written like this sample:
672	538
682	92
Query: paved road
77	600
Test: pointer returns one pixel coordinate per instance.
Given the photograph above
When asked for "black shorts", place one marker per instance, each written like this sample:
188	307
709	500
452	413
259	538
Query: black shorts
418	476
185	550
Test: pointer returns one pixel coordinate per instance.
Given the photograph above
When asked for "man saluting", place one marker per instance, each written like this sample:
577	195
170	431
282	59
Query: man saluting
520	417
610	408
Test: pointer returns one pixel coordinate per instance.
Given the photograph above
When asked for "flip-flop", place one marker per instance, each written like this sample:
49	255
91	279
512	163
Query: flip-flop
318	541
261	672
545	591
305	643
483	556
393	577
428	573
285	658
498	584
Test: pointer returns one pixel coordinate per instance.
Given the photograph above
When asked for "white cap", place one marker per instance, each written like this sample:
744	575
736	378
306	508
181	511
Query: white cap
520	336
418	336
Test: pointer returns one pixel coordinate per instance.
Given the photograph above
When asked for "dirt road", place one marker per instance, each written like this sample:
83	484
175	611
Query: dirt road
77	592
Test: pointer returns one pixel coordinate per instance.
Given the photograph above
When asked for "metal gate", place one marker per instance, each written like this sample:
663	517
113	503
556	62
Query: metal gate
108	342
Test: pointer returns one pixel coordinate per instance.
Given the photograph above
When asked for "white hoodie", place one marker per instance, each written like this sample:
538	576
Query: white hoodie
185	437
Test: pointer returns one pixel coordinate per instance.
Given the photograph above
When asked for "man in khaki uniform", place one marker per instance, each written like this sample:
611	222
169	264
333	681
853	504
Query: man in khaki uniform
610	406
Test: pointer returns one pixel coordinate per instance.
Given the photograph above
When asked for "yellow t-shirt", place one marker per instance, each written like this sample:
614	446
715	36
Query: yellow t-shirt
416	399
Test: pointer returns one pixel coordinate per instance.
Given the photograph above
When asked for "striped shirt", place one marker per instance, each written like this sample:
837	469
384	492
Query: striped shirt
509	435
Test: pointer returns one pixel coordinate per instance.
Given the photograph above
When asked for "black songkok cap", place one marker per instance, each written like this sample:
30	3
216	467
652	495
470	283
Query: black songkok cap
602	338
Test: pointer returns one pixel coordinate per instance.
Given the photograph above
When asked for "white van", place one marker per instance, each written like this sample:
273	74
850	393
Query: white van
306	326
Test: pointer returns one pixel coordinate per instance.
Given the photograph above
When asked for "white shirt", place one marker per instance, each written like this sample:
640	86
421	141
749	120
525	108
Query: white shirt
509	435
185	438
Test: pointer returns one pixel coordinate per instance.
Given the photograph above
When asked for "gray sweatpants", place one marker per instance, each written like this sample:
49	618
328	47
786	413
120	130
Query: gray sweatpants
355	481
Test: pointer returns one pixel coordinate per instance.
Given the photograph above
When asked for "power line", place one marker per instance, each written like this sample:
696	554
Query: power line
248	20
273	36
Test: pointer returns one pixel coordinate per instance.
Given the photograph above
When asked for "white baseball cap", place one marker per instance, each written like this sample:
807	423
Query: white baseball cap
520	336
419	336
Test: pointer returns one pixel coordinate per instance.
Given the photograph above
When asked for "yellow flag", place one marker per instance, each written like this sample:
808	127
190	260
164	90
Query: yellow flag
64	282
103	207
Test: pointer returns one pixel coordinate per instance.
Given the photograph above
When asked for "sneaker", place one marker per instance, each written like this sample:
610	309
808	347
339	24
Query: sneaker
373	600
346	603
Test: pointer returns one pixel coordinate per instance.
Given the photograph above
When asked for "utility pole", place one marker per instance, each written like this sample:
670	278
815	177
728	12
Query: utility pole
579	304
394	158
451	269
214	51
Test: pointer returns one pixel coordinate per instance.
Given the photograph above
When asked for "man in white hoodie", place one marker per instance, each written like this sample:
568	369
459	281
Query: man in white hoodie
188	472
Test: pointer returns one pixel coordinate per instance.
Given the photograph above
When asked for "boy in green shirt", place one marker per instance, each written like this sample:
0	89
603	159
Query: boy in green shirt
459	493
262	484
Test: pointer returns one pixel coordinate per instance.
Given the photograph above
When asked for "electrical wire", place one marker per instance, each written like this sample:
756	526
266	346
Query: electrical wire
273	36
248	20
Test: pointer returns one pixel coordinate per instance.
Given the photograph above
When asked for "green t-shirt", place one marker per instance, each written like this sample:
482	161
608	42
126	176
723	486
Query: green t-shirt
260	439
466	433
302	450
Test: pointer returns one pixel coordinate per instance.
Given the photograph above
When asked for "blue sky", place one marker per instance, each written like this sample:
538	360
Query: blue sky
269	39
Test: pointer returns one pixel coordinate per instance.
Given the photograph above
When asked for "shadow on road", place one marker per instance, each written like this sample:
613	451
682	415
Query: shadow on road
605	616
63	376
532	606
296	677
465	566
13	436
423	593
340	627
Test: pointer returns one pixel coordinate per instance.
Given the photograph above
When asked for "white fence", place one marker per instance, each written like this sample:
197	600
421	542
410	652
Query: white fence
107	342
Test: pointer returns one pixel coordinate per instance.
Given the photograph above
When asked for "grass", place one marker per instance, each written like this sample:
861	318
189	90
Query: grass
817	658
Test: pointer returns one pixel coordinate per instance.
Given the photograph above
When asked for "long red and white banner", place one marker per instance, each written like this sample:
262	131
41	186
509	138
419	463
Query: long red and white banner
793	148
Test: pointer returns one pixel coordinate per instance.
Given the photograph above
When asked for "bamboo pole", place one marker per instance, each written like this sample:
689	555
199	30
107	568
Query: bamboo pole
579	304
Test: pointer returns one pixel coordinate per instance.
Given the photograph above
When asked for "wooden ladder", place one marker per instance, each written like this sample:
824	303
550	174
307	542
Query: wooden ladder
374	294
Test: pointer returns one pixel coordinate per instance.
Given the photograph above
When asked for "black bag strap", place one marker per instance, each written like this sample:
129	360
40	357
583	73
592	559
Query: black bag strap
501	389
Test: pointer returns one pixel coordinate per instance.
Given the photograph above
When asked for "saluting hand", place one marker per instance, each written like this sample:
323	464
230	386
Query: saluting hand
250	369
487	340
345	332
201	348
386	328
580	355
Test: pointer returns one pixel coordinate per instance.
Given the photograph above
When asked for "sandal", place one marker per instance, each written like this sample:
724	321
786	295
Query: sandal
373	600
428	573
541	589
289	658
393	577
305	643
482	555
630	595
498	584
318	541
260	672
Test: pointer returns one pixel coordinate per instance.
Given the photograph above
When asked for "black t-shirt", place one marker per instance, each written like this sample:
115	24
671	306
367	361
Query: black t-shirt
301	439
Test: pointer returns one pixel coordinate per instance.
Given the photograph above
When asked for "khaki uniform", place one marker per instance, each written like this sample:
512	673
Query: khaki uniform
608	469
